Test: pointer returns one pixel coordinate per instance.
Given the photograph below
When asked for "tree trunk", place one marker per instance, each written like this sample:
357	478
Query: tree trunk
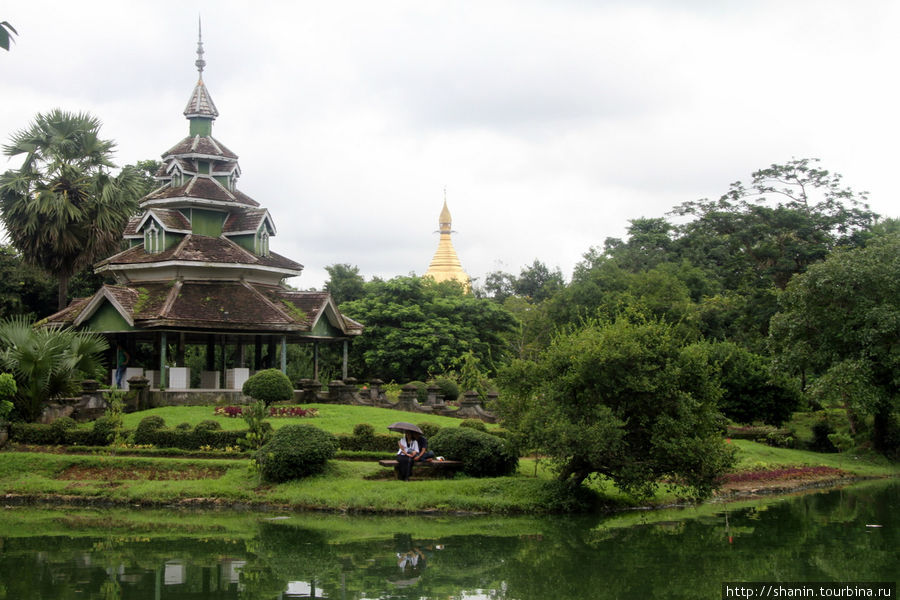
63	291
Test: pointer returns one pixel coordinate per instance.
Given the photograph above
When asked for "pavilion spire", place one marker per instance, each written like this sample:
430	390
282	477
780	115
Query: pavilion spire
200	63
200	110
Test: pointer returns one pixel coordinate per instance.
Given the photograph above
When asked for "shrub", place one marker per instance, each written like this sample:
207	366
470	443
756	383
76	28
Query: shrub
183	427
7	393
295	451
208	425
61	426
449	388
821	442
421	390
429	429
104	430
146	427
269	385
474	424
482	454
258	431
364	430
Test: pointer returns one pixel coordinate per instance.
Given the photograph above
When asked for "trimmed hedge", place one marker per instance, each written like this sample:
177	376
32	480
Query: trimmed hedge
38	434
482	454
295	451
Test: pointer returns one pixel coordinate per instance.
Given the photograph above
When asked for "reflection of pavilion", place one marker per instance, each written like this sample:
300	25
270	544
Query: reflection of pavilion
198	271
301	589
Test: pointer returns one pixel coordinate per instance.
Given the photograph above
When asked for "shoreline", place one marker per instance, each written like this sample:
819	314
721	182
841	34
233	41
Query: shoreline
722	497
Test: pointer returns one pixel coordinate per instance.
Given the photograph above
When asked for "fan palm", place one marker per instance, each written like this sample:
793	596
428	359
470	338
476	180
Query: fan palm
62	208
46	362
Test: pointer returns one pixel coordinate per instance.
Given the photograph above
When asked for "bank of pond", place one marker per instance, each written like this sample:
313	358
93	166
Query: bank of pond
849	534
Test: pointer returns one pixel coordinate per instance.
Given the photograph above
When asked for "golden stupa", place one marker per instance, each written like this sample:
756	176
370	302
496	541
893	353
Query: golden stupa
445	265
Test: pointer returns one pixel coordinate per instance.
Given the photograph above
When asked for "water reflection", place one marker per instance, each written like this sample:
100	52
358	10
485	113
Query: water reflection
820	537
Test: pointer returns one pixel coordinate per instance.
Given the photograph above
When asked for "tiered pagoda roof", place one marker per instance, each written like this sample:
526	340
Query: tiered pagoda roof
198	255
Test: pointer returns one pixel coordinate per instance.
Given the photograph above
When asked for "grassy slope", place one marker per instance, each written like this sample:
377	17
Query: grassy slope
336	418
352	486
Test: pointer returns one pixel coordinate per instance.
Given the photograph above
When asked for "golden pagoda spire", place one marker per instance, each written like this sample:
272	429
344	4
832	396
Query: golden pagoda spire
445	265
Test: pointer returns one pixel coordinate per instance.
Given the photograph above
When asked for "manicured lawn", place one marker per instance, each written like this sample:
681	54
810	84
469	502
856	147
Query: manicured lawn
336	418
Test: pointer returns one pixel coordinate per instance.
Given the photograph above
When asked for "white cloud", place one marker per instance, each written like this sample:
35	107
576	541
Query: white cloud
550	124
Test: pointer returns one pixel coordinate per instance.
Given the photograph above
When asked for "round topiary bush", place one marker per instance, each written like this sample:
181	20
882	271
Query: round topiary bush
449	388
183	427
208	425
482	454
143	434
364	430
474	424
269	385
295	451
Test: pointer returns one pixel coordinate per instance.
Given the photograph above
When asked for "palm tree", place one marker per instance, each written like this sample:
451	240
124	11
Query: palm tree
47	362
62	209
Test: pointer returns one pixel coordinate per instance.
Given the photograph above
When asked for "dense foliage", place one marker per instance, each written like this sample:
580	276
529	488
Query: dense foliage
47	362
269	385
482	454
626	399
415	327
840	322
295	451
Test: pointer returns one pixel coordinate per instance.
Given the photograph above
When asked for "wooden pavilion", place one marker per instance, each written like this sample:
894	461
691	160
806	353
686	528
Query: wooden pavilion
198	271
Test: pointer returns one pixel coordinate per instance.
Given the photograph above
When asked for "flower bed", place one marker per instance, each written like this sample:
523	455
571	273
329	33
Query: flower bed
274	411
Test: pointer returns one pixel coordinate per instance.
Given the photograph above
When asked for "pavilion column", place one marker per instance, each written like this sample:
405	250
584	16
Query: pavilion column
270	355
179	356
210	353
257	358
344	367
241	353
162	360
224	364
284	354
316	361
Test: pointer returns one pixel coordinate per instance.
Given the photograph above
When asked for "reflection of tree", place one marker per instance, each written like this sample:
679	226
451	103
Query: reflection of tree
819	537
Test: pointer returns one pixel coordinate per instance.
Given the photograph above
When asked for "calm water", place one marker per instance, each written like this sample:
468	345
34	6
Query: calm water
112	554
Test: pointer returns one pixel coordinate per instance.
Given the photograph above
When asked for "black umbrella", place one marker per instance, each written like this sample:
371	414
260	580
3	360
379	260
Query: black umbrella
404	426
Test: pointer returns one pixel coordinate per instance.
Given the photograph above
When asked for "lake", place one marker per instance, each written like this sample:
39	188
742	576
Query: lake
848	535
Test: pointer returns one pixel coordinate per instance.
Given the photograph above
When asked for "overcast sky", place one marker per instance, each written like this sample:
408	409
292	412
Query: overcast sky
550	124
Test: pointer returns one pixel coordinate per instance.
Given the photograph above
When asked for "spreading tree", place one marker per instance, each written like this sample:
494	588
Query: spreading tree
628	400
839	323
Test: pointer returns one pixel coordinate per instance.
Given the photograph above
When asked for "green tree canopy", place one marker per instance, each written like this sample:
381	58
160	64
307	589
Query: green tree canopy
62	208
840	322
415	327
626	399
345	284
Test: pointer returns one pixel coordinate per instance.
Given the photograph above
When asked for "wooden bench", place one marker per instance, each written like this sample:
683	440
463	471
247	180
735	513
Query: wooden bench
450	466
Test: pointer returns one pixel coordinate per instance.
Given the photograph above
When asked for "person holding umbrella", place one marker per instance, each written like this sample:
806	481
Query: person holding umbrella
409	448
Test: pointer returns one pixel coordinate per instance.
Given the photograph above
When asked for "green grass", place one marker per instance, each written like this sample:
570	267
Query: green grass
357	485
753	456
335	418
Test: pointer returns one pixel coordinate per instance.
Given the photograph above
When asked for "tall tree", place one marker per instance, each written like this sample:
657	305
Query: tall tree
345	284
416	327
62	208
840	322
